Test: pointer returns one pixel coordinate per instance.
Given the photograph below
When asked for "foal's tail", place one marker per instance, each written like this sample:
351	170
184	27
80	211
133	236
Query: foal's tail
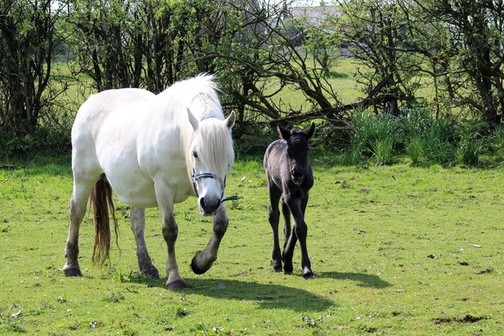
101	202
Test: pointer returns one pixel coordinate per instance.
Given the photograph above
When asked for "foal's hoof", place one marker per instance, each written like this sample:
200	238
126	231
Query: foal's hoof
277	266
288	269
175	285
308	274
72	272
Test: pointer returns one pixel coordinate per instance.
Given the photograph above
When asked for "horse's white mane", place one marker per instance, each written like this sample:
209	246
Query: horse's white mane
216	143
199	95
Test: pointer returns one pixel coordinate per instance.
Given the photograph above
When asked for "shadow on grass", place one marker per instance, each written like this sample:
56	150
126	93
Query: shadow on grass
40	165
363	280
270	296
267	296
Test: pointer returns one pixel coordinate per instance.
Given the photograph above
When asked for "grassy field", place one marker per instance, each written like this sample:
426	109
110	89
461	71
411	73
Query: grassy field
397	250
342	80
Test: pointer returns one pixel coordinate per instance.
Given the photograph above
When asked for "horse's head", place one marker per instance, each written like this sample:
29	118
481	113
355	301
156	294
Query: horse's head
211	155
297	150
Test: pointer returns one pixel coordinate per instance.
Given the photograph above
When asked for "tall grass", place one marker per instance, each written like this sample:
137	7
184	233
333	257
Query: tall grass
429	140
421	138
375	137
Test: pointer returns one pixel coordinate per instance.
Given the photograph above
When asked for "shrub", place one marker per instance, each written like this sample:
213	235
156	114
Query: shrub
429	140
375	137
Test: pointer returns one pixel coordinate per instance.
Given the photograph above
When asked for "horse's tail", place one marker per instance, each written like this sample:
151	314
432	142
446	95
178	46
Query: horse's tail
101	203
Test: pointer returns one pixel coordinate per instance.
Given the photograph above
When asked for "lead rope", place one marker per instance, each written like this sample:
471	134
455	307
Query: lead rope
230	198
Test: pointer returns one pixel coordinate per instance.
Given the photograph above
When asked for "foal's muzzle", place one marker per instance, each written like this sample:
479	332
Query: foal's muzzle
297	175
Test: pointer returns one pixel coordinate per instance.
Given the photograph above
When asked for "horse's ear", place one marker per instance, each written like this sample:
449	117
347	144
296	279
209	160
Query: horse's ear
230	120
283	132
192	119
309	131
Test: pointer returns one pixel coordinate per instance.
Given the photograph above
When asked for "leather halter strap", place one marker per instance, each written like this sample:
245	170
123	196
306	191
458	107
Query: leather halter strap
196	177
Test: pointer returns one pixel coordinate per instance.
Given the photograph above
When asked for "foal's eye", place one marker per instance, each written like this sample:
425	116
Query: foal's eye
195	154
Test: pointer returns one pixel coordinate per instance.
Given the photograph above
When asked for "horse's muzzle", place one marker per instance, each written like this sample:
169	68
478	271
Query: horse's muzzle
207	211
208	207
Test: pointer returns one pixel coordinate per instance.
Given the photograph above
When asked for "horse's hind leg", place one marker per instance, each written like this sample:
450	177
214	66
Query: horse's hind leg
138	228
78	206
203	260
274	218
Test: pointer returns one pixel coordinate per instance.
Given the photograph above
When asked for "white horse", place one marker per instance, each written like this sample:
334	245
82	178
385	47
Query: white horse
152	150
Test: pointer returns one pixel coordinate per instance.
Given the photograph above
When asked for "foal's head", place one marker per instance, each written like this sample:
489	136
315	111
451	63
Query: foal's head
297	150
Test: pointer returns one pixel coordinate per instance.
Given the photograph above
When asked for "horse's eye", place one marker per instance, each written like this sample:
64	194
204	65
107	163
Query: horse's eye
195	154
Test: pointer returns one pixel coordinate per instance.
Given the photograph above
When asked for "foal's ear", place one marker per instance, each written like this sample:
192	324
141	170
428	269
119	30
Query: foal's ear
192	119
283	132
309	131
230	120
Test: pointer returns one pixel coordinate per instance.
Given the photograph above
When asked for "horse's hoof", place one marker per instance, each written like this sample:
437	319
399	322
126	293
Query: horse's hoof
72	272
175	285
288	269
151	273
196	268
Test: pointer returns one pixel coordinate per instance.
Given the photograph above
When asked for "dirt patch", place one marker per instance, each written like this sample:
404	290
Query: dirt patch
464	319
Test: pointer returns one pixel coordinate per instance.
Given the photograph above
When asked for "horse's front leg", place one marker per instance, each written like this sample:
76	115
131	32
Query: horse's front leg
170	233
138	227
203	260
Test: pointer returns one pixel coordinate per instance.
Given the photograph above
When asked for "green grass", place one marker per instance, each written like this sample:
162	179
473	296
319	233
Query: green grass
397	250
341	79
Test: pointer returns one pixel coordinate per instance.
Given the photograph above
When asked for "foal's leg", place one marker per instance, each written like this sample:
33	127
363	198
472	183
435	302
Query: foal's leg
78	206
203	260
305	260
300	232
287	236
138	226
274	218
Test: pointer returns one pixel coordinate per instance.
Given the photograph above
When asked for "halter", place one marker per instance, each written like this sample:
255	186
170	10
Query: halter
196	177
